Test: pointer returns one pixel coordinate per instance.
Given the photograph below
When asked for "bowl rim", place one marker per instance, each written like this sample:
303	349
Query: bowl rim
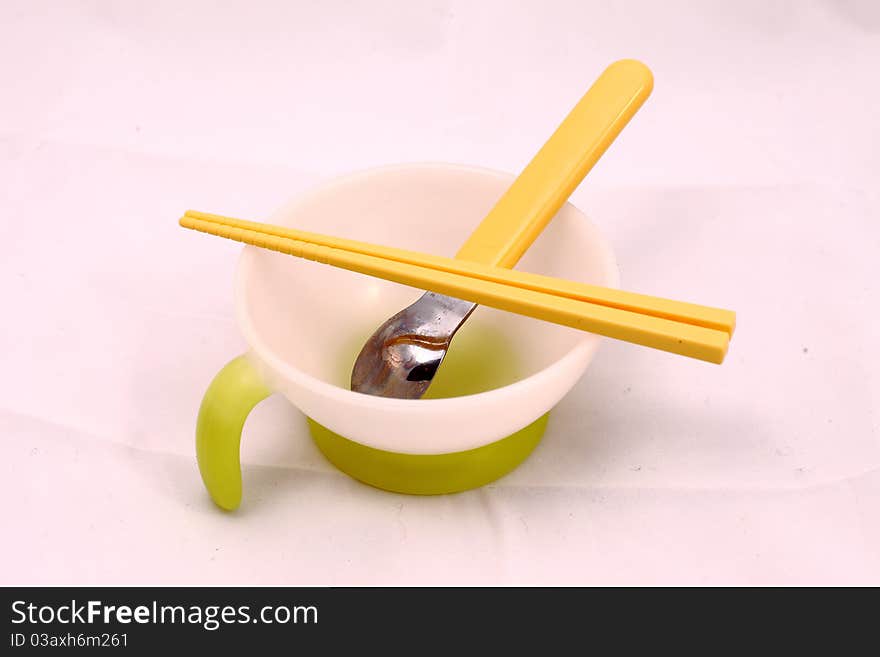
582	350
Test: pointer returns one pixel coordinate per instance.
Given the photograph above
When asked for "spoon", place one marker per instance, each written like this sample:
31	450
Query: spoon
402	356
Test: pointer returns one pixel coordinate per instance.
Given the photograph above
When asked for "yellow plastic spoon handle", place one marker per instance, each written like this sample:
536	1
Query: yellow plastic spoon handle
680	311
676	337
549	179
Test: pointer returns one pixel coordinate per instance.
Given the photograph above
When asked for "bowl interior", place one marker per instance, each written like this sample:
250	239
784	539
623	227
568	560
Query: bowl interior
315	318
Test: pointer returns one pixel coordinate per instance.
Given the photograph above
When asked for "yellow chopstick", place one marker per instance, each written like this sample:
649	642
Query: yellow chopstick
657	332
680	311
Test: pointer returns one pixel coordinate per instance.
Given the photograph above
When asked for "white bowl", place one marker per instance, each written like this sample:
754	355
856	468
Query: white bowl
305	322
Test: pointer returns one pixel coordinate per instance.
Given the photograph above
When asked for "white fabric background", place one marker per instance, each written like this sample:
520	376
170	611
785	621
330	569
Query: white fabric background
748	180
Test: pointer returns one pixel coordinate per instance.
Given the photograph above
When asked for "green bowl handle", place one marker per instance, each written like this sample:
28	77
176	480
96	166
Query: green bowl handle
235	390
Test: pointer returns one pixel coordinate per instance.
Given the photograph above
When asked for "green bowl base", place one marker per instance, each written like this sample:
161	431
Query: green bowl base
428	474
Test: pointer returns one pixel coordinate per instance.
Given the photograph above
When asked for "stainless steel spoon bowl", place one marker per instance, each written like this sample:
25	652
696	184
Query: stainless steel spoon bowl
401	357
